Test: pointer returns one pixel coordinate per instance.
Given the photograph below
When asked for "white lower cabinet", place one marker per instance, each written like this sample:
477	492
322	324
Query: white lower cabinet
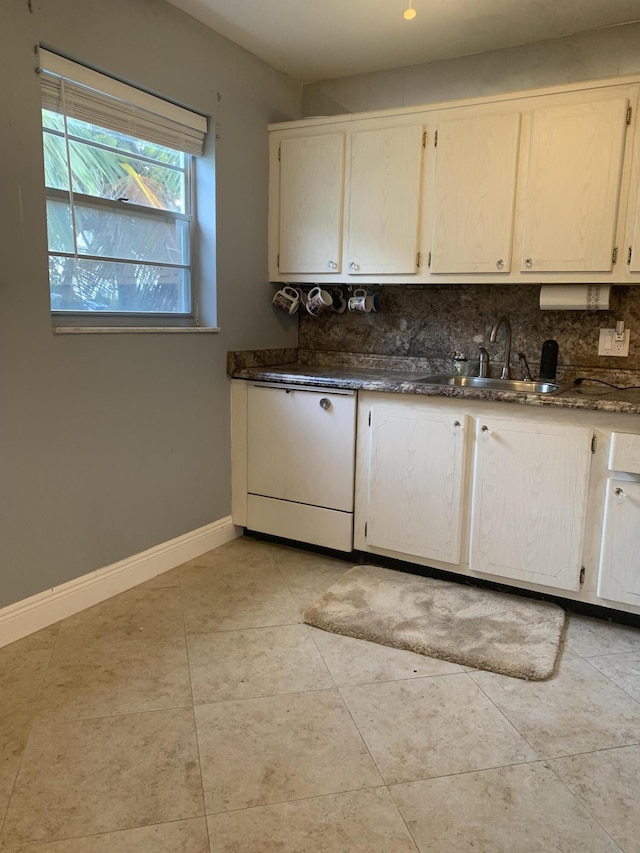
530	488
619	575
456	486
545	498
416	479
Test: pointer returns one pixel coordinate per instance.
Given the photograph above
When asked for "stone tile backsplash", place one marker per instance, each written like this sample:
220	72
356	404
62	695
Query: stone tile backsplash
433	321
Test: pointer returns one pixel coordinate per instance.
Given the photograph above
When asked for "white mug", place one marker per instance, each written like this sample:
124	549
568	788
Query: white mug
319	300
358	302
287	300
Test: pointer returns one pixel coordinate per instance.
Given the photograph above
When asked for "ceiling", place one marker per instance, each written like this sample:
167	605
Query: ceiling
322	39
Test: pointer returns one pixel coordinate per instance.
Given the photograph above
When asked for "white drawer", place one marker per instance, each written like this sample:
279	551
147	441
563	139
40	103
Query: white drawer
312	524
625	452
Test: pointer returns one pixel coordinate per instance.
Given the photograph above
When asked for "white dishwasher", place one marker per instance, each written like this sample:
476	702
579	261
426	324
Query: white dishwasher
301	463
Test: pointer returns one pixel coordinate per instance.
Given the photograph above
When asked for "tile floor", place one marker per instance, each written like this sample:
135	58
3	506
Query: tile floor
196	713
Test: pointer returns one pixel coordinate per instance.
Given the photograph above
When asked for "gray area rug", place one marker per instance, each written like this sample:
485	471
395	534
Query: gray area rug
474	627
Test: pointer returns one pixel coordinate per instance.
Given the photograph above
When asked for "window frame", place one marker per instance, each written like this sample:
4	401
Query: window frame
125	319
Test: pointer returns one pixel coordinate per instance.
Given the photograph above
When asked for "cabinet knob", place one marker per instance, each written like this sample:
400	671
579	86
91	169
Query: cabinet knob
619	492
500	263
485	428
325	403
332	265
456	424
528	263
354	266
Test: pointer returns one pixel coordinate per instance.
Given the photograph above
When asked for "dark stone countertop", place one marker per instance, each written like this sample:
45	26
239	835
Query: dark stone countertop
590	396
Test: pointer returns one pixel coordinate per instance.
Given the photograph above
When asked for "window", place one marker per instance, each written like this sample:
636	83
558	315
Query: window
120	202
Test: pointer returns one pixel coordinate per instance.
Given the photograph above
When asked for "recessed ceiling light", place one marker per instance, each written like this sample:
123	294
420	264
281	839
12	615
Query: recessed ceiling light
410	13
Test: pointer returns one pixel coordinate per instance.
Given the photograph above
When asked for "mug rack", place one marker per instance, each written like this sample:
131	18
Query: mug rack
356	299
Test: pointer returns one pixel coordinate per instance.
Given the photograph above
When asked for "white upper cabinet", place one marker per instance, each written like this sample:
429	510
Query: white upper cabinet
384	202
311	204
476	164
633	248
572	186
631	254
524	188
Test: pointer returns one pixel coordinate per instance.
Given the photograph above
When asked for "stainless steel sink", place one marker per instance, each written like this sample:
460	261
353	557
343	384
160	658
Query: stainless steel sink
490	384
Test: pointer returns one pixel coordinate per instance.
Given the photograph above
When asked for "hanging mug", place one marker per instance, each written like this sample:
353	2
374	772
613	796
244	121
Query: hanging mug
319	300
339	302
287	300
373	302
358	302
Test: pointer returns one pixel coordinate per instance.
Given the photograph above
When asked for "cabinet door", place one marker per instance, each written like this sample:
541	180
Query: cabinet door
475	189
384	204
573	185
634	247
529	501
619	576
311	204
633	215
416	476
301	446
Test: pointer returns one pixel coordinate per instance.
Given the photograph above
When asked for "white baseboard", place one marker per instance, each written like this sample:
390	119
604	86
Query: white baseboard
24	617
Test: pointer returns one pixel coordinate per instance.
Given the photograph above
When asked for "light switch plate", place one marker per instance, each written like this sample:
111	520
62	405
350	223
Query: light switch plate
608	345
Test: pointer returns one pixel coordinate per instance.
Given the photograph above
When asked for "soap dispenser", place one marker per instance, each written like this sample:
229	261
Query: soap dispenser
460	364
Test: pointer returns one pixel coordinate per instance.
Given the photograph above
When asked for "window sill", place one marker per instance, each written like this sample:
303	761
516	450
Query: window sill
134	330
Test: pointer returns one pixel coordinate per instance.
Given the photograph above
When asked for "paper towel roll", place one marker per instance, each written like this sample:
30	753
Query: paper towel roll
575	297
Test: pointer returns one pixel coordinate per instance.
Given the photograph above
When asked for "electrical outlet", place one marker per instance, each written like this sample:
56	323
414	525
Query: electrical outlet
608	345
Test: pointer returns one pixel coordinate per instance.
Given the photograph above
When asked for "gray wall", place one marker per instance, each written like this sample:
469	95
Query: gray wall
112	444
586	56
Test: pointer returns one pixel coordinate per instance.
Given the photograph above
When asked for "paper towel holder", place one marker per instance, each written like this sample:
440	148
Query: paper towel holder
575	297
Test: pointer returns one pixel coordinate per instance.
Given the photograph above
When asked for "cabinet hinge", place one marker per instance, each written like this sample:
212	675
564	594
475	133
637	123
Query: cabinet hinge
629	253
429	260
279	152
629	112
419	259
582	574
594	443
424	139
369	417
614	257
435	139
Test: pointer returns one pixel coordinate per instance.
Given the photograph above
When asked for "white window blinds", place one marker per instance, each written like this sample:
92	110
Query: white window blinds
81	93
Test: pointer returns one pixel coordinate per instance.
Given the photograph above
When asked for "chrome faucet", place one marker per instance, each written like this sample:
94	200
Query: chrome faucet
503	321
